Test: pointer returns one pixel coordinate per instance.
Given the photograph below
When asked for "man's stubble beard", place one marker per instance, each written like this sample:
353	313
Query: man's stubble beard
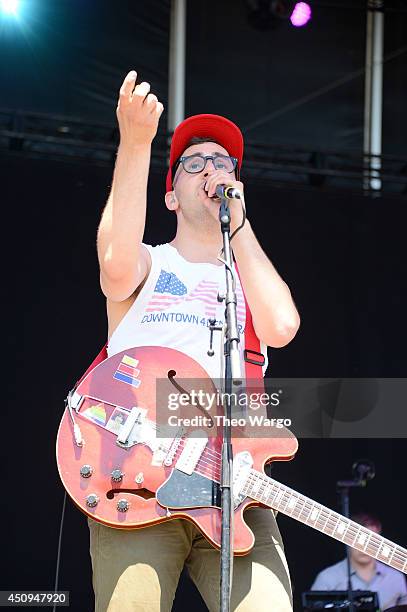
199	218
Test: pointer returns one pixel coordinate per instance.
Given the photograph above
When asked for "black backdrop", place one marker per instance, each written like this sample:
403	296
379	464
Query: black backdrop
343	257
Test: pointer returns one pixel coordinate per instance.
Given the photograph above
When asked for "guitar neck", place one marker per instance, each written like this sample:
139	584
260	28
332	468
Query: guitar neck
287	501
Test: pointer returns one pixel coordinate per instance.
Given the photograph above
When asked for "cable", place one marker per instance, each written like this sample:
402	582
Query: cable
243	205
59	549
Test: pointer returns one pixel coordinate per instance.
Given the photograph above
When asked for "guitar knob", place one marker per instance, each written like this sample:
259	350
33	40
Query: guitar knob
117	475
92	500
86	471
139	478
123	505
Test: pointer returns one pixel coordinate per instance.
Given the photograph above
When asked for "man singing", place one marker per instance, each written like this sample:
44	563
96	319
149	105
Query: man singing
139	569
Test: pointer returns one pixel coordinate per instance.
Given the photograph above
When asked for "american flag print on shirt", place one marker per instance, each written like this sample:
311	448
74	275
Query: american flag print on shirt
169	291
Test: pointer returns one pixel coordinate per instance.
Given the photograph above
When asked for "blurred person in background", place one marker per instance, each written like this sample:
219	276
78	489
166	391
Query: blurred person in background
367	574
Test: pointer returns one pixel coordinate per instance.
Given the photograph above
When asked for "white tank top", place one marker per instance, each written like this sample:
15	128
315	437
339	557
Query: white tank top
174	307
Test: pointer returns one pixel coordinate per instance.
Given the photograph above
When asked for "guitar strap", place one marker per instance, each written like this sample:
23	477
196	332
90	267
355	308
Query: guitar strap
253	357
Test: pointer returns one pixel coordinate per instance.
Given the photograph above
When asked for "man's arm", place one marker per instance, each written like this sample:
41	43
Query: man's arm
275	317
323	582
124	263
402	598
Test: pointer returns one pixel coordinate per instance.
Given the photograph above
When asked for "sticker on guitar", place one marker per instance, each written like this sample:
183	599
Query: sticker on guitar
105	415
127	371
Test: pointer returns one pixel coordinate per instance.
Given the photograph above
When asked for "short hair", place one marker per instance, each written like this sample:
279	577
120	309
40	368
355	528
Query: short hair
198	139
367	520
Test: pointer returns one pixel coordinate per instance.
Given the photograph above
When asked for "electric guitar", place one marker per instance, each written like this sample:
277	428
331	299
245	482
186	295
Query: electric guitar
122	467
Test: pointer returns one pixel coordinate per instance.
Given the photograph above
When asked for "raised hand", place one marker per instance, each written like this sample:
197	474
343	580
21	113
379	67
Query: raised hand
138	112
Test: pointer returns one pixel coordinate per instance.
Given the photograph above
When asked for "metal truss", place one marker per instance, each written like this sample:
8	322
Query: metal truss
66	139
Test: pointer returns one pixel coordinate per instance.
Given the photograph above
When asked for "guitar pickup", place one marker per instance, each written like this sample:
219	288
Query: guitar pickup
191	453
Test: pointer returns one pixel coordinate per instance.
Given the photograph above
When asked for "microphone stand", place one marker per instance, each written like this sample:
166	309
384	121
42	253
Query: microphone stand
232	379
343	487
363	471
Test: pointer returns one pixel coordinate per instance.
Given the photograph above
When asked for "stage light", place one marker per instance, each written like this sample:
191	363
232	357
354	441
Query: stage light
10	7
268	14
301	14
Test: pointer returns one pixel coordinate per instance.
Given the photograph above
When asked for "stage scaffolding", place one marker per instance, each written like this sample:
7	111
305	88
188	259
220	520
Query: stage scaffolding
74	140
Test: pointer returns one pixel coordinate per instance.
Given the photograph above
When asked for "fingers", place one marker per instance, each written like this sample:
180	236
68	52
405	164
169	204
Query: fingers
138	111
153	105
159	109
150	102
128	85
129	90
141	91
220	178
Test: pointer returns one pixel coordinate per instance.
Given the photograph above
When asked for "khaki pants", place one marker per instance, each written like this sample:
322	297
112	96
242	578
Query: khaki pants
138	570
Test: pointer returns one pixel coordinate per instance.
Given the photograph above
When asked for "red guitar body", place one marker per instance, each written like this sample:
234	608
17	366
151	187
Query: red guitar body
118	482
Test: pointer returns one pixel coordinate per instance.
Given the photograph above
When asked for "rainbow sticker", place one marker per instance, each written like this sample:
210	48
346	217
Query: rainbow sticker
127	371
96	413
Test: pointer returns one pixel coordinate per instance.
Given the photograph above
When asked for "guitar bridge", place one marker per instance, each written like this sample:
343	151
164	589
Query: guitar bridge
131	432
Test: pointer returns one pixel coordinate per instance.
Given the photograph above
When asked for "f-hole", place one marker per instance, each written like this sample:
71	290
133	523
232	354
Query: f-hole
144	493
171	377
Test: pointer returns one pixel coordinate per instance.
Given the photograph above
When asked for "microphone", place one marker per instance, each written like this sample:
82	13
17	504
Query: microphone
364	469
222	191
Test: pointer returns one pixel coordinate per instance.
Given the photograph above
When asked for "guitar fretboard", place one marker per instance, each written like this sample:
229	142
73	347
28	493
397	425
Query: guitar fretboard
287	501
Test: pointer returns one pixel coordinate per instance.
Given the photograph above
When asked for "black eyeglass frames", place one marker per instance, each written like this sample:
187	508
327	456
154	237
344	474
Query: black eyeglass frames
196	163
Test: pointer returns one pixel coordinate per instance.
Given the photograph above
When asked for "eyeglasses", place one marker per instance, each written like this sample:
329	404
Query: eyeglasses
196	163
